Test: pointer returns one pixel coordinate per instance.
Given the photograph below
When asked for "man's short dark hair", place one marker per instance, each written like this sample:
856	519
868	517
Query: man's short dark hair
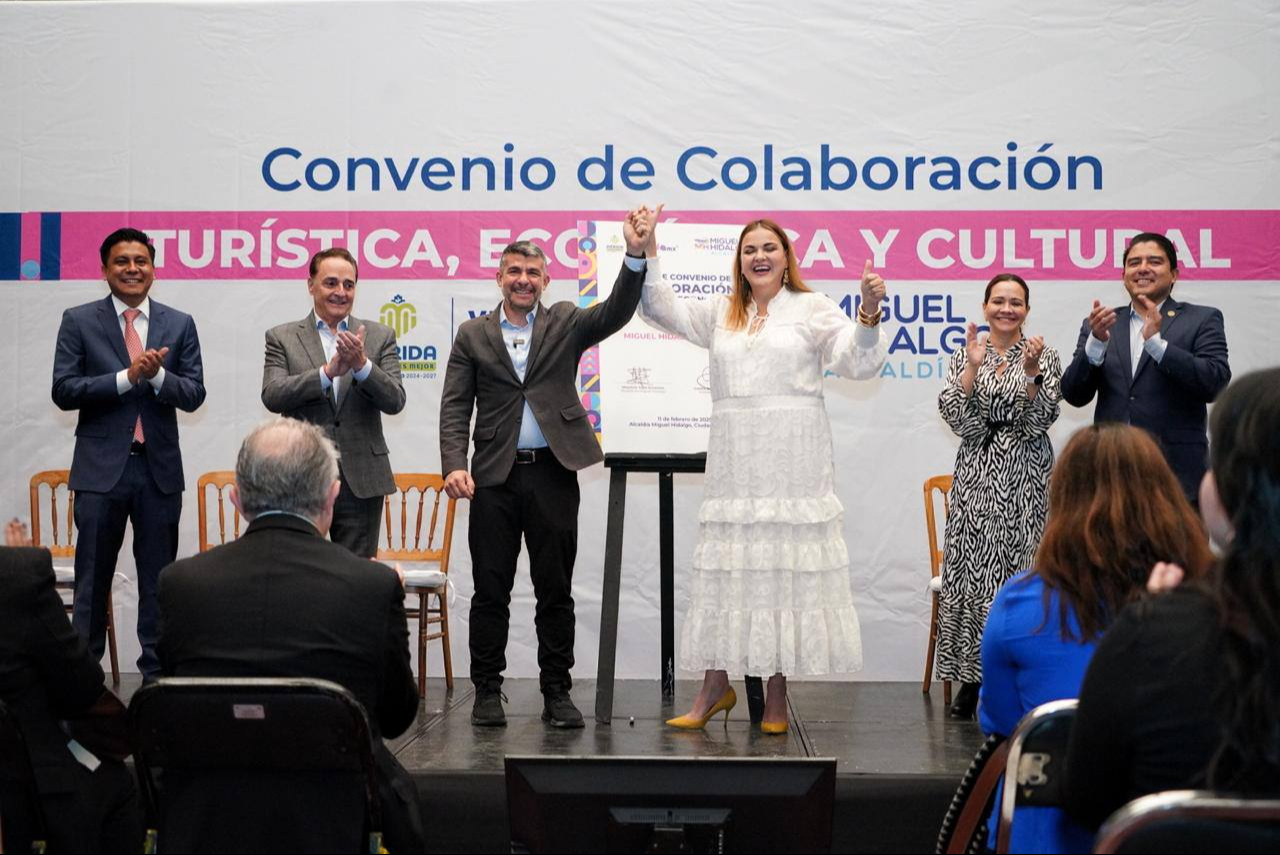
1152	237
526	248
124	236
334	252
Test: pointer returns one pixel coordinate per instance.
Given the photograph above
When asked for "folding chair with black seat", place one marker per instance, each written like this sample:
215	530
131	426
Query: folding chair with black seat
22	826
255	765
1192	821
1033	771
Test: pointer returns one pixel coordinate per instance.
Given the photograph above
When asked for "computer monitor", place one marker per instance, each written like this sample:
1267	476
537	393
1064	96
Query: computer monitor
669	804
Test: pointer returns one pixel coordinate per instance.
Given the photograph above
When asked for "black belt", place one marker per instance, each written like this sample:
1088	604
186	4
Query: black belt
533	455
992	429
138	448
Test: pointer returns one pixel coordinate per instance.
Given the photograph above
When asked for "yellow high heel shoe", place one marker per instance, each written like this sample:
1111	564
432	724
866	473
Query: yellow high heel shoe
687	722
773	727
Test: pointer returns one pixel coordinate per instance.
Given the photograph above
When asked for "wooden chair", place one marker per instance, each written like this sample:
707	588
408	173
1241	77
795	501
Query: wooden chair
942	485
431	579
63	548
219	481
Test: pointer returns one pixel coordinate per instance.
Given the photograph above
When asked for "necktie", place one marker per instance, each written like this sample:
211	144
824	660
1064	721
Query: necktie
133	345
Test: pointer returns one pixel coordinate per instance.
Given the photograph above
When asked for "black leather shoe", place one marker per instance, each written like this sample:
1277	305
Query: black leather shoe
965	705
558	710
487	711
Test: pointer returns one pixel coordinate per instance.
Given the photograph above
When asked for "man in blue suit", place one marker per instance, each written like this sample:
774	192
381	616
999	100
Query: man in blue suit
128	364
1160	366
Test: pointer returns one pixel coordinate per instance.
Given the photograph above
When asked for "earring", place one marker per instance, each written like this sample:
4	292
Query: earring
786	278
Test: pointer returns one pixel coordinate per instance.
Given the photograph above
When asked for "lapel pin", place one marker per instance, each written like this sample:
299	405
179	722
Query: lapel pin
1171	313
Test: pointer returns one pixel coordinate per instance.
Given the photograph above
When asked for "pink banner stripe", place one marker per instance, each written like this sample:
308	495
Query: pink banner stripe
29	245
929	245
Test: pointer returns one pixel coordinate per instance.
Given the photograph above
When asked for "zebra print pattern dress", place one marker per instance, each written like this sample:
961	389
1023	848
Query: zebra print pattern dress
999	495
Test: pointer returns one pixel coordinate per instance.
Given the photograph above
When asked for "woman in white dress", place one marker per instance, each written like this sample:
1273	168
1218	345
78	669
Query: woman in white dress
770	583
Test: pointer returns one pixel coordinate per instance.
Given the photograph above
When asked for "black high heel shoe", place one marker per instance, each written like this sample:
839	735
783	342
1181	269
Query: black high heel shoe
965	705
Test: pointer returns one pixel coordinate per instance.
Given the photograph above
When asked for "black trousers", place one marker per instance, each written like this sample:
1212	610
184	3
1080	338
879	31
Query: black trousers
539	501
100	522
356	521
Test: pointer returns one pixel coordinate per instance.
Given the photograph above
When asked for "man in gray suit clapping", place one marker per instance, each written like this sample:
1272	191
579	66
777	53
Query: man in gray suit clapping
342	374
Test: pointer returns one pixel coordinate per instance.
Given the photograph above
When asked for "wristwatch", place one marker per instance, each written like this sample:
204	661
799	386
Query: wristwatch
1037	379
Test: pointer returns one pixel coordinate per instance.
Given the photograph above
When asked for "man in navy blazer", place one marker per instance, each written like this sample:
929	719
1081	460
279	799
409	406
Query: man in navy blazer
128	364
1160	366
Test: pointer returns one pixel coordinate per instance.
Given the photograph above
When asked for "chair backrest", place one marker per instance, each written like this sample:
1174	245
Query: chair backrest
942	485
255	764
1033	772
964	826
219	482
415	492
22	827
58	538
1192	821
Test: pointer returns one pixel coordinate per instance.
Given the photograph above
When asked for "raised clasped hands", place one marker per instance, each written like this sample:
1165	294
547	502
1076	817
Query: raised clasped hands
1101	320
1150	316
1031	355
147	365
640	229
16	534
1165	576
348	354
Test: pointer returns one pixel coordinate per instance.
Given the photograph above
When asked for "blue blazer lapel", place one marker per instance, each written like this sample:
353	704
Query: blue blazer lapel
111	330
1119	345
1169	312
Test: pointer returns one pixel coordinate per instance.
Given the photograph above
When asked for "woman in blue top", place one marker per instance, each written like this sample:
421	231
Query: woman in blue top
1115	510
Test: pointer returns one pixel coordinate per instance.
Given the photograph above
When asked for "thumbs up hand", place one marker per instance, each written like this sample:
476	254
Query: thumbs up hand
872	289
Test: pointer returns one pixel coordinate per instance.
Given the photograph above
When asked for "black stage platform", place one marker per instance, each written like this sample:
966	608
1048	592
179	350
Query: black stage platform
899	756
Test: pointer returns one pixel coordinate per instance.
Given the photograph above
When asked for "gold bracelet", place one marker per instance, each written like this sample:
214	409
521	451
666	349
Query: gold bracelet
869	320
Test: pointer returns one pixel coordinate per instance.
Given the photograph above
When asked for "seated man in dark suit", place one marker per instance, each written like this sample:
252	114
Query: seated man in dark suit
284	602
46	674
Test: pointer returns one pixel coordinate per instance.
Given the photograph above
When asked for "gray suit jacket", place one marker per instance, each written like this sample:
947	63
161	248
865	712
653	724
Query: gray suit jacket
291	387
480	374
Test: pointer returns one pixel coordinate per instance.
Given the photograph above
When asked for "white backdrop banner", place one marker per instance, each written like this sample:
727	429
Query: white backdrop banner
945	146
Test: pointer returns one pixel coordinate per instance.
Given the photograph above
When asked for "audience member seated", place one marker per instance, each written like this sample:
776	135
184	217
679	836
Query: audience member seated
282	601
1116	510
1184	689
90	803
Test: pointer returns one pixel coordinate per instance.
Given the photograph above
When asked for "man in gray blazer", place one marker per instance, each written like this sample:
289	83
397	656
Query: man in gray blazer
342	374
517	367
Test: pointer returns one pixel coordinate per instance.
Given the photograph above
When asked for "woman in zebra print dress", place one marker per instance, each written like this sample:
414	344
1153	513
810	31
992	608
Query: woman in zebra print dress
1001	396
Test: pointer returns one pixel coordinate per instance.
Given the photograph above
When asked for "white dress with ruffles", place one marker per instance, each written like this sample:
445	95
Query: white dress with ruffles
770	584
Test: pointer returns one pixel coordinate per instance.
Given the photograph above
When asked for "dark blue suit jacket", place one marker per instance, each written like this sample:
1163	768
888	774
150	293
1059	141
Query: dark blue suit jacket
89	354
1168	398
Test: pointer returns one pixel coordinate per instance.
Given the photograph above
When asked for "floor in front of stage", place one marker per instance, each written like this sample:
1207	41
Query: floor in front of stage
899	756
